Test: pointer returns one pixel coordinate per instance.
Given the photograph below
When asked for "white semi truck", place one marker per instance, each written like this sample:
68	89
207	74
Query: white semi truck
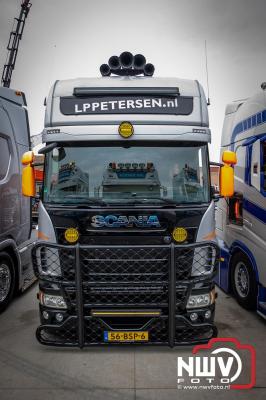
241	220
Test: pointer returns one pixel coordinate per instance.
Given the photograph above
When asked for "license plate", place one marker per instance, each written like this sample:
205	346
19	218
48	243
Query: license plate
112	336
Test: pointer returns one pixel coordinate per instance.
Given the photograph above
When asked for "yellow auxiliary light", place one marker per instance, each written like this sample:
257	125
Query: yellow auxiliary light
179	234
126	129
71	235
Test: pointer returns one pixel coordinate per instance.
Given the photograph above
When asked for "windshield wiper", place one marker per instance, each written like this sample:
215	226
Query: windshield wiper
167	201
144	200
86	202
150	199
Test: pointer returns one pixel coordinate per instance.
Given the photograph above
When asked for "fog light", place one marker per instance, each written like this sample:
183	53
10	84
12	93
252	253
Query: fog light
180	234
208	314
59	317
193	316
199	300
71	235
50	300
45	315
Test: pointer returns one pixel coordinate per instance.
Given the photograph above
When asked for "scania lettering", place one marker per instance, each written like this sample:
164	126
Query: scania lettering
128	251
98	221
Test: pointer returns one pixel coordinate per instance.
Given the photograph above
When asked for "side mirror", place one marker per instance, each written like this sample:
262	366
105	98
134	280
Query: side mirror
28	177
229	157
227	188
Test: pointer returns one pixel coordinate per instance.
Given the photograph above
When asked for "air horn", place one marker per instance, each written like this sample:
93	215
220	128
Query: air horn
127	65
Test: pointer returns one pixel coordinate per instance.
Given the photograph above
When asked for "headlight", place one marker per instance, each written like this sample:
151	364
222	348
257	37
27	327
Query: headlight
199	300
203	261
50	300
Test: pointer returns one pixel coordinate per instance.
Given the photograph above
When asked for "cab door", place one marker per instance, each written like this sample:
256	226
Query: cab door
9	181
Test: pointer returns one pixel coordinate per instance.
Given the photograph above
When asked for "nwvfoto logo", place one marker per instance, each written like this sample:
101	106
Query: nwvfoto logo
221	367
113	221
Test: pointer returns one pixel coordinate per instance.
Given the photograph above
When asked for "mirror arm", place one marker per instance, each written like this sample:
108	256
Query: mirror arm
47	148
217	197
216	164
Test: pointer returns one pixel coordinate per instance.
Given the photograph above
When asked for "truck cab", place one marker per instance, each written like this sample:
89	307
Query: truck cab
16	272
241	221
131	257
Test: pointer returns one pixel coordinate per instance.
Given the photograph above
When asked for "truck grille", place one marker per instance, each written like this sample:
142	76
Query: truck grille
124	277
134	265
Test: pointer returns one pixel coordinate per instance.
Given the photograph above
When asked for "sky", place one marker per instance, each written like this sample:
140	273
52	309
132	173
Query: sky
67	39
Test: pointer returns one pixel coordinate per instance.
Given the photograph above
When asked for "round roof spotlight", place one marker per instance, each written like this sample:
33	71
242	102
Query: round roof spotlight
125	129
114	63
139	61
126	59
105	70
149	69
263	85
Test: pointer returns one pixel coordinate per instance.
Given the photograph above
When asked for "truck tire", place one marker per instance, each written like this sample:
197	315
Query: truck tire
7	280
243	281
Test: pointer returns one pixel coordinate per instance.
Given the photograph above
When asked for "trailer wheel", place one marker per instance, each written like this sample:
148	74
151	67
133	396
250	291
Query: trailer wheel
243	281
7	280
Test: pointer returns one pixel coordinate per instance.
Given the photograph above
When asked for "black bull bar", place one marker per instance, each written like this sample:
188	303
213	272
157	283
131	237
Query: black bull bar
102	277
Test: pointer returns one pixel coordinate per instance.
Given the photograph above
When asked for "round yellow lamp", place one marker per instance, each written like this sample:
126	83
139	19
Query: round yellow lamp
126	129
179	234
71	235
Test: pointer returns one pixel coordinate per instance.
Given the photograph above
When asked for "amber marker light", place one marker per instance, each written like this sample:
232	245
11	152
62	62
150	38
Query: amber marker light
126	129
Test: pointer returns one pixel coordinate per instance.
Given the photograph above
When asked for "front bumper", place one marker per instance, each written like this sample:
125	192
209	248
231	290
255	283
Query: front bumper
125	278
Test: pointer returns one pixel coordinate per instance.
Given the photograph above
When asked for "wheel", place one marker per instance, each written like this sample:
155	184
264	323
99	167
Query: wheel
243	281
7	280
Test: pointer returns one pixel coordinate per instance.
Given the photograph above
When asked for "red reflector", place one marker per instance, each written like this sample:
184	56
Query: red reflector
237	209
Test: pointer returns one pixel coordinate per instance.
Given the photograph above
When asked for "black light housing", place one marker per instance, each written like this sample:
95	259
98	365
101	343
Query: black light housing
148	69
127	65
126	59
114	63
105	70
139	61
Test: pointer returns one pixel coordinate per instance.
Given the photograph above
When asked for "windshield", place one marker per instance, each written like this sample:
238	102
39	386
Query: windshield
149	174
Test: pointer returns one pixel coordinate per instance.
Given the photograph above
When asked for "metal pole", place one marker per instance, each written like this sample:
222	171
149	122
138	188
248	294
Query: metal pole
79	298
172	296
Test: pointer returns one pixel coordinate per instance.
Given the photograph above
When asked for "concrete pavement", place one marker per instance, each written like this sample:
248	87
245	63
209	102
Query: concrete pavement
30	371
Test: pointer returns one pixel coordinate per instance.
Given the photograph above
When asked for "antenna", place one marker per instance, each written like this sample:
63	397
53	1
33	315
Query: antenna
207	73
